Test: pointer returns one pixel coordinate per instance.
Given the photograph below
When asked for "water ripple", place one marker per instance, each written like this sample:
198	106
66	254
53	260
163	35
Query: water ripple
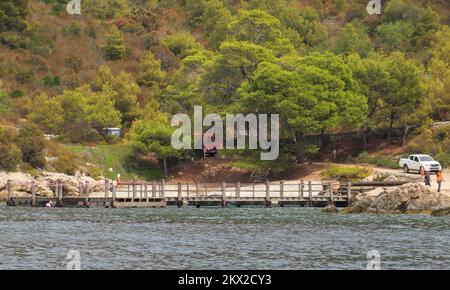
213	238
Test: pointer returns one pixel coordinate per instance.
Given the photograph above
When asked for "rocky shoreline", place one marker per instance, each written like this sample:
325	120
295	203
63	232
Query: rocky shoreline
411	198
21	184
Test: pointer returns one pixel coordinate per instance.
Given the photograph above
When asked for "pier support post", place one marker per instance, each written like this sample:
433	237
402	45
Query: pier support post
310	193
146	191
302	189
134	190
349	193
224	194
163	190
238	190
9	190
58	193
61	194
330	189
114	194
197	189
33	193
107	187
86	194
268	200
179	199
153	189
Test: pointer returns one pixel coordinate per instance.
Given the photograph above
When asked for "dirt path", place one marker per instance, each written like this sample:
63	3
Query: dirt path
317	168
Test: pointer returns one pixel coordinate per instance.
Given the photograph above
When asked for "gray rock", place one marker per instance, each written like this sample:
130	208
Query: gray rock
331	208
441	211
358	206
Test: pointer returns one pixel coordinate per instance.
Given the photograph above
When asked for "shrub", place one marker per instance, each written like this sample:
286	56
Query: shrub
423	143
179	43
16	94
12	15
51	81
91	32
74	63
31	142
25	77
443	158
149	40
381	162
72	29
346	173
5	102
65	161
12	40
9	153
115	47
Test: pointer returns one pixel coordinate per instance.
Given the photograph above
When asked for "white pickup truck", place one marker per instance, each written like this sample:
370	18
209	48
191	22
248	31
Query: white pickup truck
416	162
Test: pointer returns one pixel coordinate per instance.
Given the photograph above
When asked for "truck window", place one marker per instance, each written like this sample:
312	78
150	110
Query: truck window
411	158
416	159
426	158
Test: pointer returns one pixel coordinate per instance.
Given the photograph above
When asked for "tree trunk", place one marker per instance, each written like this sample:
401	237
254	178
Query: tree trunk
405	135
364	136
300	150
166	172
391	125
322	138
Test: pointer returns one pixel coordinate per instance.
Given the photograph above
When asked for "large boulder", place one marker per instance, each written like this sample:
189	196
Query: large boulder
358	206
72	183
413	198
331	208
21	184
441	211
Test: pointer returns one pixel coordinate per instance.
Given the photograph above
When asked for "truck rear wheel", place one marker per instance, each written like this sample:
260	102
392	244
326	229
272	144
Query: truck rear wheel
405	168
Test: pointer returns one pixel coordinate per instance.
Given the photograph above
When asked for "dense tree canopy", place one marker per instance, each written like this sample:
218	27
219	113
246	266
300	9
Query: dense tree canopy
323	66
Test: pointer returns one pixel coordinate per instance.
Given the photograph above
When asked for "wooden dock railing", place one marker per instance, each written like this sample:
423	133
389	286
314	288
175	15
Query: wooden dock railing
304	193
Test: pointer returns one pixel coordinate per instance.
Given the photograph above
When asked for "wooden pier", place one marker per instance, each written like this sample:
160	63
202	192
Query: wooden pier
158	194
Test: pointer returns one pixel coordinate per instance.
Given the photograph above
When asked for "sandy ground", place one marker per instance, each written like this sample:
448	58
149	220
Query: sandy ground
315	175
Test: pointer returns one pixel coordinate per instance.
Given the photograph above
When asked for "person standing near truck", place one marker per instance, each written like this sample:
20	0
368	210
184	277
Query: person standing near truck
427	179
440	179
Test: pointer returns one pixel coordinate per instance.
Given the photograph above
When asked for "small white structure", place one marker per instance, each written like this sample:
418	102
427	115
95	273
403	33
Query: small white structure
113	132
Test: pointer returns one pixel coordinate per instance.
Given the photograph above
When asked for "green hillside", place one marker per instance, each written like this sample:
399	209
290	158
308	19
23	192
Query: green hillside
324	66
